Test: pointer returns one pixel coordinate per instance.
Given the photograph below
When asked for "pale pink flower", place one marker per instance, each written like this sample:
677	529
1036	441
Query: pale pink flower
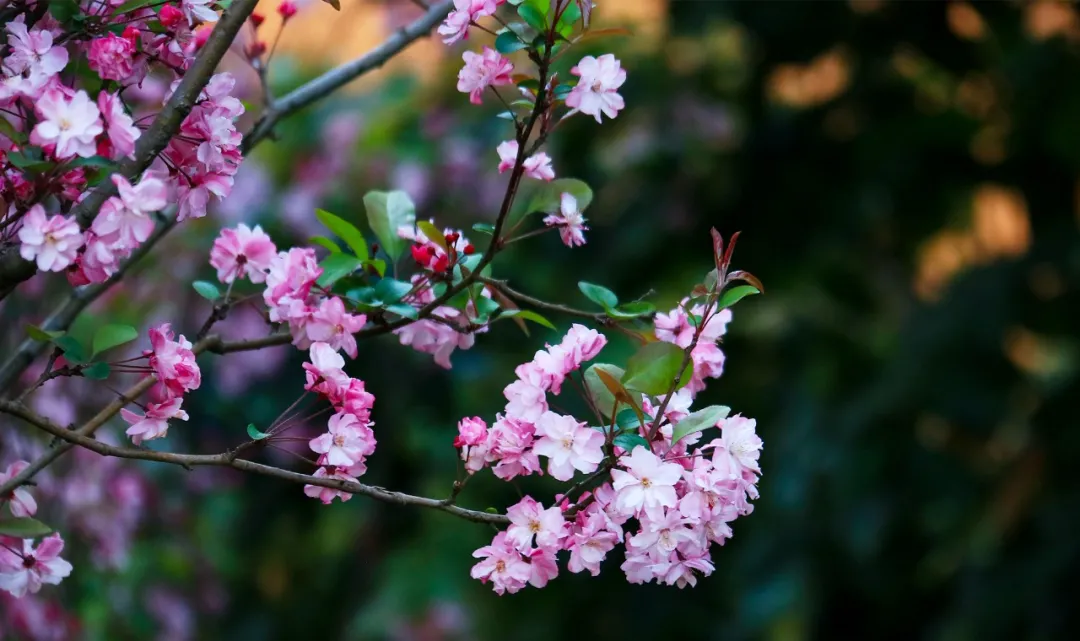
471	432
120	129
589	542
195	192
356	400
240	252
52	241
324	372
483	70
543	566
198	11
510	444
646	484
345	443
112	57
19	501
536	166
25	572
680	571
173	361
529	519
569	220
456	25
599	80
290	275
332	325
665	532
32	61
525	400
568	445
740	439
70	124
127	217
502	565
155	423
431	337
582	344
326	494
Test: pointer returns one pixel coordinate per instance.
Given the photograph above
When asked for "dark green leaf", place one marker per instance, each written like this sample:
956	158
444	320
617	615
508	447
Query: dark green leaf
635	309
345	231
325	242
598	294
255	434
402	309
528	314
484	228
533	17
391	290
25	528
508	42
386	211
42	335
698	421
378	264
629	440
736	294
97	371
569	16
627	419
110	336
63	10
652	370
562	91
93	161
73	349
29	158
337	266
207	290
131	5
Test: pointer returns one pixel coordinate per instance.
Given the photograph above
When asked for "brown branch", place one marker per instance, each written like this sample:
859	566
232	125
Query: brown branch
231	459
501	285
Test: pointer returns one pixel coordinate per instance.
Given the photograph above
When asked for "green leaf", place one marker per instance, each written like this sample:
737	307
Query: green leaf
484	228
563	90
378	264
627	419
63	10
386	211
569	16
629	440
345	231
25	528
42	335
736	294
652	370
528	314
325	243
635	309
207	290
97	371
92	161
110	336
508	42
433	234
391	290
602	397
505	115
73	349
131	5
547	197
29	158
598	294
337	266
698	421
402	309
255	434
533	17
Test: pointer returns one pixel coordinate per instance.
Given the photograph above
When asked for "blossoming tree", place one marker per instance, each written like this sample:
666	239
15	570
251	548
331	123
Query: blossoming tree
92	178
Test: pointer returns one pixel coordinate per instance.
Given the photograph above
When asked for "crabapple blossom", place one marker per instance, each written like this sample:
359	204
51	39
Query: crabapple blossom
154	424
51	241
327	494
675	327
112	57
526	400
502	565
471	432
240	252
589	541
356	400
324	372
456	25
536	166
69	124
331	324
529	519
740	440
26	571
346	441
510	444
646	484
33	59
20	502
120	130
126	219
542	566
568	445
483	70
569	220
173	361
596	92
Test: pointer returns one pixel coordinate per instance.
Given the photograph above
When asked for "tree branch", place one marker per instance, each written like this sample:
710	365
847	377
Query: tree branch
231	459
501	285
344	74
13	269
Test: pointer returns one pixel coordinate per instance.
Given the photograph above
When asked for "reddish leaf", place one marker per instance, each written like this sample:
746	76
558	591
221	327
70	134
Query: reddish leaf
748	278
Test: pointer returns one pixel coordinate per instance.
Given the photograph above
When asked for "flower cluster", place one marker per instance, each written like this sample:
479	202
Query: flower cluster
173	362
61	135
675	327
24	568
349	439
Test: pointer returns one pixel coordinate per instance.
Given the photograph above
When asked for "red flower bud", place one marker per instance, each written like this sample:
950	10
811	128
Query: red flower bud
256	19
469	250
452	237
286	9
420	255
170	16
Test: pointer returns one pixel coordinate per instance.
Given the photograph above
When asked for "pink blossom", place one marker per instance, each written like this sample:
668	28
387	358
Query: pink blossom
582	344
326	494
536	166
99	260
568	444
332	325
435	338
32	61
502	565
510	443
324	372
356	400
646	484
112	57
155	423
20	501
483	70
527	400
740	439
70	124
345	443
597	88
52	241
680	572
471	432
194	193
242	252
290	277
456	25
198	11
26	572
589	542
127	217
120	129
569	220
529	519
543	566
173	361
665	533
